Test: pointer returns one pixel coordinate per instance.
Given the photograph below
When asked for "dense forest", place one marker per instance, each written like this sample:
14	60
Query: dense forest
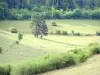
50	9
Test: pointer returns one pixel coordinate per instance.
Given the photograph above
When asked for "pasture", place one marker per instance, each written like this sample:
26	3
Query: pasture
31	47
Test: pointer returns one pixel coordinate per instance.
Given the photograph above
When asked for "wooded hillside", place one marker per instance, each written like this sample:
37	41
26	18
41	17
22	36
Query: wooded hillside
60	4
50	9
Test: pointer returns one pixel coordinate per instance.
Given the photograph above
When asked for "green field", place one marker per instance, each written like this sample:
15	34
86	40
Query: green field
31	47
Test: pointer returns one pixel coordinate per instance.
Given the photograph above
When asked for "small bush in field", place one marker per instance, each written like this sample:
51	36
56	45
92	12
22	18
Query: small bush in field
77	34
64	33
73	32
0	50
20	36
54	24
98	33
14	30
17	42
58	32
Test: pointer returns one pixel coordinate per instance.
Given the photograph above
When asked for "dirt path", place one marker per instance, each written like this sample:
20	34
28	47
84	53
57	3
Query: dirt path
91	67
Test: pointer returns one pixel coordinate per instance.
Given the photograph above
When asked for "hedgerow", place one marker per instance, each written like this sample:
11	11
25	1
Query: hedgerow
52	61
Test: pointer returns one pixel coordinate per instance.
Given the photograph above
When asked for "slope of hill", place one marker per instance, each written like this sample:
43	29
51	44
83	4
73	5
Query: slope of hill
15	53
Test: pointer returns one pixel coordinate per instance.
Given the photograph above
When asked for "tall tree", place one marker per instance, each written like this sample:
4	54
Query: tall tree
38	26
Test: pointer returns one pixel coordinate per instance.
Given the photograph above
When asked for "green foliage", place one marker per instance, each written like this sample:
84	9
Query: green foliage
54	24
77	13
58	32
52	61
59	9
46	63
17	42
77	34
64	33
98	33
68	14
20	36
96	14
83	55
38	25
94	49
14	30
5	70
4	11
0	50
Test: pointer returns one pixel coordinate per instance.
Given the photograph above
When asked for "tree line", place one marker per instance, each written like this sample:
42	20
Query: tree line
51	9
59	4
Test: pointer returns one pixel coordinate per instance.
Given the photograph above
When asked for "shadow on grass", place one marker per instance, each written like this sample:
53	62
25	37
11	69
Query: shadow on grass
62	42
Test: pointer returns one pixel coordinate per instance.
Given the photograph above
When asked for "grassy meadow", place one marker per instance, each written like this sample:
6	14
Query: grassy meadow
31	48
50	43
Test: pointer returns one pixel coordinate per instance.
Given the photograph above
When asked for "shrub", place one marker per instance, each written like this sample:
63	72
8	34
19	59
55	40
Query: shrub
64	33
5	70
20	36
77	13
54	61
68	15
98	33
82	56
54	24
57	14
73	32
76	51
96	14
58	32
0	50
94	49
14	30
17	42
26	17
51	32
86	14
77	34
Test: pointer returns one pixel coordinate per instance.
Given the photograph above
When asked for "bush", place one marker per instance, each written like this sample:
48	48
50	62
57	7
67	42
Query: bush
0	50
73	32
94	49
64	33
54	24
20	36
77	13
26	17
81	54
14	30
96	14
98	33
77	34
54	61
69	15
58	32
17	42
5	70
86	14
